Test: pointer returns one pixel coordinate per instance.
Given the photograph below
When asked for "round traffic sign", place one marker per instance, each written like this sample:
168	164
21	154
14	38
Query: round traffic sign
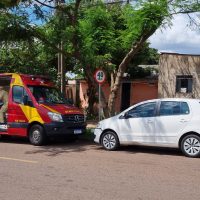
99	76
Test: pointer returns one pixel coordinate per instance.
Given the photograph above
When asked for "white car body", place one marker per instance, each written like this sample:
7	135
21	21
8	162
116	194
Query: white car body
160	130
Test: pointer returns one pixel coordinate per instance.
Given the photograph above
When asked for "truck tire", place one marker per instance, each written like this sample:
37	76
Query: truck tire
37	135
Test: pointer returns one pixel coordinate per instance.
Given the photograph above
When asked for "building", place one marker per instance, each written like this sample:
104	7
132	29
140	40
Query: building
130	92
179	76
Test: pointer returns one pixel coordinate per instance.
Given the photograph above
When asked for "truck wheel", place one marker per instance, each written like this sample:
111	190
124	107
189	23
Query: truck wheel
190	145
37	135
110	141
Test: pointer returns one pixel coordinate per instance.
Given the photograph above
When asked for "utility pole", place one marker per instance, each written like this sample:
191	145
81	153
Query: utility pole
61	64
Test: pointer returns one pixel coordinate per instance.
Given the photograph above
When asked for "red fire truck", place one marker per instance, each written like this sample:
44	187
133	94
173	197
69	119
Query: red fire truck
37	110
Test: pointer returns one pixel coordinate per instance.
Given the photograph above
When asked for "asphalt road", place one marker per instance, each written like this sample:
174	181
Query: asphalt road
83	170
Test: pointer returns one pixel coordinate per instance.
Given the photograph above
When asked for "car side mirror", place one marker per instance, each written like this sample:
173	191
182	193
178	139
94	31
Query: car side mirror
125	116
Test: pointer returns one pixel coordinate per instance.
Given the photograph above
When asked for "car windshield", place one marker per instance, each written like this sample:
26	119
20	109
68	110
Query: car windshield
47	95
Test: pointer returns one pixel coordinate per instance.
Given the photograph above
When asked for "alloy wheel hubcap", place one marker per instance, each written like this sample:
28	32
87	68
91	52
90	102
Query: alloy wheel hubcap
36	135
109	141
192	146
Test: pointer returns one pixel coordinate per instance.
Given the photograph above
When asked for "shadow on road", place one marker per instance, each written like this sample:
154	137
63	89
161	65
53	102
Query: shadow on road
12	139
151	150
59	146
53	147
135	149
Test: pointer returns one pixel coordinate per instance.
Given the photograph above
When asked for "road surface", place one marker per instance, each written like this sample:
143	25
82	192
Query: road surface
83	170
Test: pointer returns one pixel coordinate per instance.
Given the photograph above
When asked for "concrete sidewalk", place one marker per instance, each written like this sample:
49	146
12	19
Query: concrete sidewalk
91	123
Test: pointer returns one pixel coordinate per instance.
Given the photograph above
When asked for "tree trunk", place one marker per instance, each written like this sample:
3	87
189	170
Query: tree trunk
91	99
122	68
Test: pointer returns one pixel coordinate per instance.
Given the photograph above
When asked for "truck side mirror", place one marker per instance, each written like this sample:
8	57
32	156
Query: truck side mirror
26	101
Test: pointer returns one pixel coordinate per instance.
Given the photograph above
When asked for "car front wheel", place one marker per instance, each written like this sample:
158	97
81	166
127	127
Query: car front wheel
110	141
36	135
190	145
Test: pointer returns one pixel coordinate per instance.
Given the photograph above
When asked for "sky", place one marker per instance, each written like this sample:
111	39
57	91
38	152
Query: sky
180	38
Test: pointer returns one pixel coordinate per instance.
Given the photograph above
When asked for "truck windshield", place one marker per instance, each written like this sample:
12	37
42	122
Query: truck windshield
47	95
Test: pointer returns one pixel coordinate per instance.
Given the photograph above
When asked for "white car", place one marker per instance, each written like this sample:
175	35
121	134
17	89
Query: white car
158	122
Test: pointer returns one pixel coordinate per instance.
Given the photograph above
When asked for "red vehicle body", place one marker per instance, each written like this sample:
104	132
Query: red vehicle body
37	110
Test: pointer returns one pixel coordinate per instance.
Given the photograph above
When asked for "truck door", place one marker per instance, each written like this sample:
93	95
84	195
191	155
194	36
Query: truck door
17	120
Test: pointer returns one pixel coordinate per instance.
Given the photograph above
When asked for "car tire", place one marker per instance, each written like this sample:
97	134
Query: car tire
110	141
190	146
37	135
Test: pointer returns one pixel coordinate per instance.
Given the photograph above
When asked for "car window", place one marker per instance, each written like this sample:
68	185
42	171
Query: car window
18	94
144	110
173	108
184	108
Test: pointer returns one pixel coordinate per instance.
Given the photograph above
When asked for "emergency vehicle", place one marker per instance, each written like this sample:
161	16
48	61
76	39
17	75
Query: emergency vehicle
37	110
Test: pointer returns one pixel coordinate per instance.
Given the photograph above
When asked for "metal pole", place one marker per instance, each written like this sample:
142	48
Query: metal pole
99	102
61	70
62	84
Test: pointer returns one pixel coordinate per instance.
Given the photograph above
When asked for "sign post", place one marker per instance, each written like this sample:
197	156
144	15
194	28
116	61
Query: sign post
99	77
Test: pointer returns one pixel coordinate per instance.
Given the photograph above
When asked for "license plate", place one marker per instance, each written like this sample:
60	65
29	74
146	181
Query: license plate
77	131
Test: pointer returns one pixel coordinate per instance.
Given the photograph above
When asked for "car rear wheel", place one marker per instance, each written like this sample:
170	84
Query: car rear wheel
37	136
110	141
190	145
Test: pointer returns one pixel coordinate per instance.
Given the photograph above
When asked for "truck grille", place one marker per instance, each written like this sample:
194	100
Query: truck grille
73	118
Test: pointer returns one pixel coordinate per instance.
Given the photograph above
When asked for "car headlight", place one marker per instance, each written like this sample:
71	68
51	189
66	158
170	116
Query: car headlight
55	117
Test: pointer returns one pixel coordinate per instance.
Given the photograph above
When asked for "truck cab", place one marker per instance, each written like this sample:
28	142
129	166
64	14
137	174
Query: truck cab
37	110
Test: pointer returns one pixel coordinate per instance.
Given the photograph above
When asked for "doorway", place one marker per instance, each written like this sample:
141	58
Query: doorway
125	96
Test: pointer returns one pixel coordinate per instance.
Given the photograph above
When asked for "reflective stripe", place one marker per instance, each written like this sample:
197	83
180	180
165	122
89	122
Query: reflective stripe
17	125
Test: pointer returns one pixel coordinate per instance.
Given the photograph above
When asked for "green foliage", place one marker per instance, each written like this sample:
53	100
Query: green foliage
25	57
97	36
142	19
184	6
101	36
14	28
8	3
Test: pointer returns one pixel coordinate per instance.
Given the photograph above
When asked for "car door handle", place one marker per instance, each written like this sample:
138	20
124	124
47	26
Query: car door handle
183	120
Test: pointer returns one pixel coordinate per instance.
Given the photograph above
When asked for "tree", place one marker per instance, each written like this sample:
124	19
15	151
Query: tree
8	3
145	20
96	34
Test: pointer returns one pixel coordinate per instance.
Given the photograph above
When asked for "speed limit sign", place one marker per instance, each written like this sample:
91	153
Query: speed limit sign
99	76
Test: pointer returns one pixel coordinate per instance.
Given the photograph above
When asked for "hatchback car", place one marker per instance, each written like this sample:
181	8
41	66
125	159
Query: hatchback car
158	122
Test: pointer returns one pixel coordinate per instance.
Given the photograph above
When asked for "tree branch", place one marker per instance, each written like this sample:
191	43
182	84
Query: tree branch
44	4
184	12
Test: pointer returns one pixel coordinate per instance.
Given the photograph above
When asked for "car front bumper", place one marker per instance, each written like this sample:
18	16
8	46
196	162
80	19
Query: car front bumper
97	133
61	128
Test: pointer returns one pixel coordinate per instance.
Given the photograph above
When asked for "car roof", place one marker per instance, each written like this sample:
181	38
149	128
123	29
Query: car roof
168	99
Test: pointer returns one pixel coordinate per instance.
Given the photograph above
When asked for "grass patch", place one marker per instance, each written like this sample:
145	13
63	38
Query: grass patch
88	135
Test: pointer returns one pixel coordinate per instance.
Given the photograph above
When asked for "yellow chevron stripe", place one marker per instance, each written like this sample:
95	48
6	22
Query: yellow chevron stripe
17	80
52	110
31	114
